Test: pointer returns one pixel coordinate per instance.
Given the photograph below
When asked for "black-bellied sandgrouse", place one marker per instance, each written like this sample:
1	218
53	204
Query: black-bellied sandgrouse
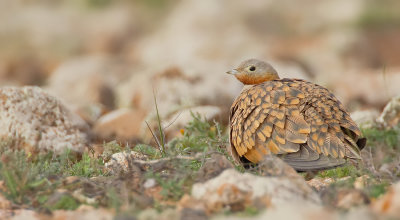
301	122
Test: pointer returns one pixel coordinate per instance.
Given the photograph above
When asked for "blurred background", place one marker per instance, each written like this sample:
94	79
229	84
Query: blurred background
107	59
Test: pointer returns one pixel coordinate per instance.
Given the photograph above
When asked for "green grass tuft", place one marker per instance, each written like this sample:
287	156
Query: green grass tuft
147	150
340	172
66	202
377	190
29	179
379	137
198	136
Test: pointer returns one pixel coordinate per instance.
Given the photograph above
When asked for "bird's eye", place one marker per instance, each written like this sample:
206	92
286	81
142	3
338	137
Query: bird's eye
252	68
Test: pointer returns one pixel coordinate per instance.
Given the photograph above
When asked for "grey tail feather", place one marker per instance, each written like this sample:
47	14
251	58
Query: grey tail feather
309	160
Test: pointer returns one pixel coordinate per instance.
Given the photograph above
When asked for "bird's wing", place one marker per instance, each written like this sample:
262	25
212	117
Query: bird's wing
266	119
333	132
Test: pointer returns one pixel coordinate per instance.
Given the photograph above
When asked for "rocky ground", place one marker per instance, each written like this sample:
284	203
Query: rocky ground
119	109
189	176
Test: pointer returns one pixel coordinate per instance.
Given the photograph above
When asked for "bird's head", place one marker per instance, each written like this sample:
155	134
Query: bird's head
253	71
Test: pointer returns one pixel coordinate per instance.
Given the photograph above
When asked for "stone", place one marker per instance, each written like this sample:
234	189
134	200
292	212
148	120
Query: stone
274	166
306	211
390	116
124	162
84	82
149	183
212	167
365	118
25	214
344	198
320	184
193	214
235	191
123	125
36	121
290	211
347	199
361	181
84	212
23	70
4	203
166	214
388	205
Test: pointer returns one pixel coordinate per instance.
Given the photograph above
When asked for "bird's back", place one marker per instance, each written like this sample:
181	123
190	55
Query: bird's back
300	121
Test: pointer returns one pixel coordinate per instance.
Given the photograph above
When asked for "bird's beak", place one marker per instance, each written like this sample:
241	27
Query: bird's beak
233	72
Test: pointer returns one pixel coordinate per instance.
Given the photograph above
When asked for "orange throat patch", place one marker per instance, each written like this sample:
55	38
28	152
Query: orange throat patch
253	80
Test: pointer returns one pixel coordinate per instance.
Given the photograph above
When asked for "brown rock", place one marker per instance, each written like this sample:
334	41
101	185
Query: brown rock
85	81
121	125
274	166
4	203
347	199
388	205
23	70
344	198
320	183
167	214
213	167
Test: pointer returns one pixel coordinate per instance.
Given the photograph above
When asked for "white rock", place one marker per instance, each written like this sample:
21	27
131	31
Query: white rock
391	113
231	186
84	213
39	122
290	211
149	183
25	214
122	161
365	118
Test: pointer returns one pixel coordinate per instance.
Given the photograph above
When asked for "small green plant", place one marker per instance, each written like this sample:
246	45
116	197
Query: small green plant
86	167
379	137
20	174
147	150
110	148
340	172
66	202
199	136
160	139
378	189
114	201
31	179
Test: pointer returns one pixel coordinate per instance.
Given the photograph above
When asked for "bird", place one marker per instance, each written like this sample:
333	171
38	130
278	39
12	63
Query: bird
301	122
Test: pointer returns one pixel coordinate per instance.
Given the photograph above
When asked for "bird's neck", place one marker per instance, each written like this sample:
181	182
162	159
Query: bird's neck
253	80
